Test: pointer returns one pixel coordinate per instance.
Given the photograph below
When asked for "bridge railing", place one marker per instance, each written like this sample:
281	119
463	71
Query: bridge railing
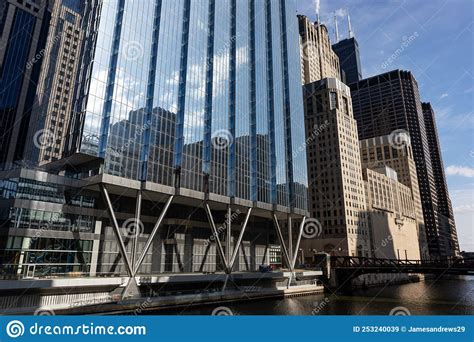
365	262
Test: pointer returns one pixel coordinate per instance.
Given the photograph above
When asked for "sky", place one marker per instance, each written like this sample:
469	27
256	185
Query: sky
435	41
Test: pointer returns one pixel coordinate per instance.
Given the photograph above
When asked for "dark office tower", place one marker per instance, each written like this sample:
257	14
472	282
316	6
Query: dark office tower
23	31
348	52
389	104
447	230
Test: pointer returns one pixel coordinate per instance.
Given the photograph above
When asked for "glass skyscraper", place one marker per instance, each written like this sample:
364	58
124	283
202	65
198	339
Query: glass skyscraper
210	93
184	120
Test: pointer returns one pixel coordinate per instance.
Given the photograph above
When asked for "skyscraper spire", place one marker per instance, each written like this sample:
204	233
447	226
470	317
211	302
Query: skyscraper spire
336	29
318	7
351	34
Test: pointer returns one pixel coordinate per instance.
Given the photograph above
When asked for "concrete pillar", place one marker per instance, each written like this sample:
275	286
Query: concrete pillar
95	248
157	250
188	253
253	256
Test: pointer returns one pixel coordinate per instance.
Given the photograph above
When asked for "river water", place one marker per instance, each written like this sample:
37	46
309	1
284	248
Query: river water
441	297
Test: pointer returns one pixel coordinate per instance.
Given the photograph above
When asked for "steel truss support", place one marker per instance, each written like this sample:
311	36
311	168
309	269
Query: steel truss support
148	242
216	237
138	210
239	240
115	226
289	260
298	242
153	234
229	259
133	266
282	242
290	238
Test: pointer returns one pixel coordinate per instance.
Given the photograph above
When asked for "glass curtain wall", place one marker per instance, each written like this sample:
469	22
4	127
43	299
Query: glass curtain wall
204	89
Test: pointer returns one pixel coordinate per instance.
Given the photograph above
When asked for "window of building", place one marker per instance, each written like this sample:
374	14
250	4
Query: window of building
333	100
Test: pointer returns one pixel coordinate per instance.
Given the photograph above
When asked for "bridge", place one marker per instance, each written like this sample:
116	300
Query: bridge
340	269
362	265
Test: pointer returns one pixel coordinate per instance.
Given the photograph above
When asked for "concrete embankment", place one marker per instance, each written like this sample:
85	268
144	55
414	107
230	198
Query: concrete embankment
104	295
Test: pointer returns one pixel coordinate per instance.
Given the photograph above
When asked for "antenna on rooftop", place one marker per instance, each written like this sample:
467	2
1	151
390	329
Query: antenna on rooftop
318	7
351	34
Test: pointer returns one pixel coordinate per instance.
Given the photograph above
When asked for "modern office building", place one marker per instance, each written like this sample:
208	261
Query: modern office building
391	215
318	60
389	104
53	105
180	151
349	58
336	187
23	34
380	152
448	234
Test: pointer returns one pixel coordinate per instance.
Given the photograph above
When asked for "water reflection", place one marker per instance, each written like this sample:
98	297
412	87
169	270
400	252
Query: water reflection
442	297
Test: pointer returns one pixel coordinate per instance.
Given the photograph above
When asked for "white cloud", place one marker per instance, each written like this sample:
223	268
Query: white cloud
341	12
464	171
444	95
464	208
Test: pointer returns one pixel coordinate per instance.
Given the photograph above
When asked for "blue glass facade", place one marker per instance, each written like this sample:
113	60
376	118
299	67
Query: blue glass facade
204	94
14	64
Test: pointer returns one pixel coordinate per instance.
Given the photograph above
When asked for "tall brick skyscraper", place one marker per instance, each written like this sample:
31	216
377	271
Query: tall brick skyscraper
337	192
389	104
318	60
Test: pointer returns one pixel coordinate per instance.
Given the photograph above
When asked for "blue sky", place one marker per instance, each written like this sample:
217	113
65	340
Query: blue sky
440	53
